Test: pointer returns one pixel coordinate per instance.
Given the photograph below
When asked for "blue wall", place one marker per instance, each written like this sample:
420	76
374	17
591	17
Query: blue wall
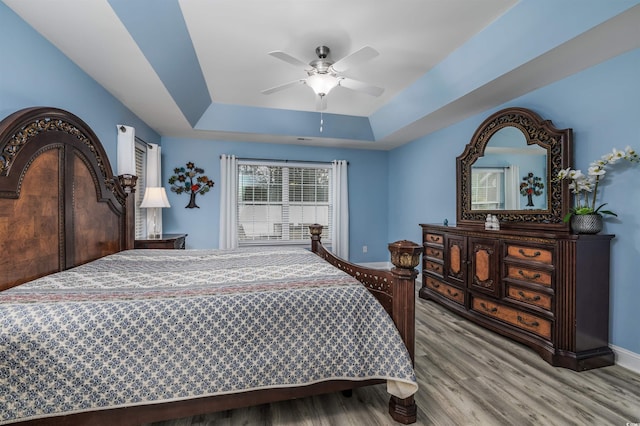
33	72
367	190
601	105
36	73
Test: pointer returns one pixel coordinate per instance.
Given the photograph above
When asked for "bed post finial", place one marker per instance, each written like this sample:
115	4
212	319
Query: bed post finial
128	183
405	256
316	233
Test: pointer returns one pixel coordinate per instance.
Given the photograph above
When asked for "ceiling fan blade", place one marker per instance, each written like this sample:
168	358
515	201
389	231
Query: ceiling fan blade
357	57
281	87
321	103
288	58
359	86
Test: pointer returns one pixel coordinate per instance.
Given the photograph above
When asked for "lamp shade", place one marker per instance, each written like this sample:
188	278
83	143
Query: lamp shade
126	150
322	83
155	196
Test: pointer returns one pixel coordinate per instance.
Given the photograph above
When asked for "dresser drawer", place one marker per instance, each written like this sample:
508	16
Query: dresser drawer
434	267
528	275
435	253
516	317
530	297
430	238
446	290
534	254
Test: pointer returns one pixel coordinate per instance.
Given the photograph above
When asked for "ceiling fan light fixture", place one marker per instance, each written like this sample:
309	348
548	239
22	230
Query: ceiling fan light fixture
322	84
325	74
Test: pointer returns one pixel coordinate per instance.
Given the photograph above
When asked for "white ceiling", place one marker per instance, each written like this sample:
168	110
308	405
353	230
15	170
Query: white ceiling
411	37
231	40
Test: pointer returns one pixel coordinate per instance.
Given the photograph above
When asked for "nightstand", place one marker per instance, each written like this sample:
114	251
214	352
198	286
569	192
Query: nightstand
167	241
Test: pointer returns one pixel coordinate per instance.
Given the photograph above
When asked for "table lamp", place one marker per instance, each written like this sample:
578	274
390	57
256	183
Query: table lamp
155	198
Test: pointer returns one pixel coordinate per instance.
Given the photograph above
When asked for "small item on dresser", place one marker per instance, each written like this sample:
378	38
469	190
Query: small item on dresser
495	223
446	222
488	224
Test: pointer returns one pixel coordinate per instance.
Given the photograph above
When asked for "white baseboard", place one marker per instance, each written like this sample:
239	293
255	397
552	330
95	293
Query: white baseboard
627	359
377	265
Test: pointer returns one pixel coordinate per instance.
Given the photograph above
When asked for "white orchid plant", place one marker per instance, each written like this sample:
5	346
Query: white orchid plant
585	187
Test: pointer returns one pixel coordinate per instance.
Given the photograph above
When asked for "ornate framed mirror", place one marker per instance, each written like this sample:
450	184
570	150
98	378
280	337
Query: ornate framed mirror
508	170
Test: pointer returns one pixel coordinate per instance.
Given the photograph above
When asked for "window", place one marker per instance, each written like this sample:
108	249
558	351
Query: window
277	203
141	171
486	193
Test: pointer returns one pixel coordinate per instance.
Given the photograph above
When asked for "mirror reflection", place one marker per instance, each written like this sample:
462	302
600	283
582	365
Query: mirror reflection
511	175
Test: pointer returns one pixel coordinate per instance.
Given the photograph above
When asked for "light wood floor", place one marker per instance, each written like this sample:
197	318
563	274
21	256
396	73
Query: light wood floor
467	376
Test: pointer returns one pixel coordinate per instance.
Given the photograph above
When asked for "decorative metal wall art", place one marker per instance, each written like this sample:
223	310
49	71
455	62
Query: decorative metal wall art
190	180
531	185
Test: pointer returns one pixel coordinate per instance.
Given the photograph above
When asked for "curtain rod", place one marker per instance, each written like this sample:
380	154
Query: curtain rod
283	161
124	129
144	142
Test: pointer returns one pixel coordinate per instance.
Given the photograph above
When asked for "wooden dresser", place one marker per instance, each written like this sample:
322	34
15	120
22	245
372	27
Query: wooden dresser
547	290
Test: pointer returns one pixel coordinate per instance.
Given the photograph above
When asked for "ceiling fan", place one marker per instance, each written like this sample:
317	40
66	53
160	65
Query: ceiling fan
325	74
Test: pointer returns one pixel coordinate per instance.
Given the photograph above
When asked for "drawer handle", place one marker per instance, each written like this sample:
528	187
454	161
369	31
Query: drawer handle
435	284
434	239
486	308
524	253
434	253
528	277
527	298
452	294
528	324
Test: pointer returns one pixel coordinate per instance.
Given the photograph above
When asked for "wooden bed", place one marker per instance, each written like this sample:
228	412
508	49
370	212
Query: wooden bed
61	206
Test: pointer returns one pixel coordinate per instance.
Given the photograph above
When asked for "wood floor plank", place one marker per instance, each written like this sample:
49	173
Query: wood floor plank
467	376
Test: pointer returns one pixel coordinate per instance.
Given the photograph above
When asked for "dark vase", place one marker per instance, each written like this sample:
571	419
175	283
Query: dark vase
586	223
192	202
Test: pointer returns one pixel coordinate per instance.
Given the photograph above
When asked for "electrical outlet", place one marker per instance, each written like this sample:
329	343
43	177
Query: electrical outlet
364	249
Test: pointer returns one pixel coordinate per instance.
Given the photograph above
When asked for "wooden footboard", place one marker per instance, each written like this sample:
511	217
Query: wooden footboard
395	290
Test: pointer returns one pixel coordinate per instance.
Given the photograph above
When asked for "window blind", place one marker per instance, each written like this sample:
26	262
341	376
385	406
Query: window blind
141	171
277	203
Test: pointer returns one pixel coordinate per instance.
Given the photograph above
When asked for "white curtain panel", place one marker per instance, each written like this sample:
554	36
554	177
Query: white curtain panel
340	213
512	188
228	201
153	166
154	179
126	150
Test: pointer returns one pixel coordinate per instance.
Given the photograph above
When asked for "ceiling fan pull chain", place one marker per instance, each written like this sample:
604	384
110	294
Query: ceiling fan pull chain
321	121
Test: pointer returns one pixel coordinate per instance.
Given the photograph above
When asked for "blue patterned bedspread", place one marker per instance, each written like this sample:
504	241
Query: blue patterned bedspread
149	326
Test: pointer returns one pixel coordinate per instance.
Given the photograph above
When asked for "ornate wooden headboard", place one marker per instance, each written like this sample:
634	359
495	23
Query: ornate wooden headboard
60	204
